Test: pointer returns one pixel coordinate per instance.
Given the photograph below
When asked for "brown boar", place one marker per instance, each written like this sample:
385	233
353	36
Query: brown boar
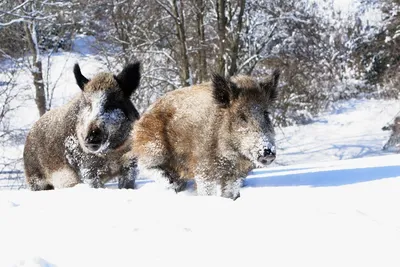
214	133
86	140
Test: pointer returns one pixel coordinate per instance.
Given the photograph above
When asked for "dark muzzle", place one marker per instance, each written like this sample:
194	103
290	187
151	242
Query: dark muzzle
94	140
266	156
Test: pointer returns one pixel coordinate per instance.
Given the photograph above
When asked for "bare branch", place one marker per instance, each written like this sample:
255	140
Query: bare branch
12	22
31	17
168	11
17	7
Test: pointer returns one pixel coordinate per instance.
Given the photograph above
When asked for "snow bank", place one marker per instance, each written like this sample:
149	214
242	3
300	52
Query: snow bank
303	215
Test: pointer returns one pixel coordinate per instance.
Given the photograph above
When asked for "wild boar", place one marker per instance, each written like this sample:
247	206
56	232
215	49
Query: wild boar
214	133
87	139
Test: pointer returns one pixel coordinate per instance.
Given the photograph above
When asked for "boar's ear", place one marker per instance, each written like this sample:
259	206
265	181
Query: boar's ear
129	78
224	91
271	84
80	79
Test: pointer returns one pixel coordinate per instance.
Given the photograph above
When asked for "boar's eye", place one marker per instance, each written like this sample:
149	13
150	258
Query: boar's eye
243	120
243	117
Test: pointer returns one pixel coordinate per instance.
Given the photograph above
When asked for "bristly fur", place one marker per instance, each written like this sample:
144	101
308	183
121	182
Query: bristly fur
80	79
214	133
87	139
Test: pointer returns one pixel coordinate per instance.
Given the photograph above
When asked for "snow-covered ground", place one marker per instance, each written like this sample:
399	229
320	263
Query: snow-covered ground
330	199
351	129
341	213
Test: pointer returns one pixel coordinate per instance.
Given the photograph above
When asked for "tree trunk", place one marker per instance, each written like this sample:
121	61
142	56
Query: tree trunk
201	55
221	29
40	98
36	70
181	34
233	68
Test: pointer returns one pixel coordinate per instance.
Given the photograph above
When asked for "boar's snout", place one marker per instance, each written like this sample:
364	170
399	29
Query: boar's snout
266	155
94	139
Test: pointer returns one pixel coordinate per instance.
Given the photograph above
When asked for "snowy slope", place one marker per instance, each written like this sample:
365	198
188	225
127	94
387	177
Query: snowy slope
342	213
351	129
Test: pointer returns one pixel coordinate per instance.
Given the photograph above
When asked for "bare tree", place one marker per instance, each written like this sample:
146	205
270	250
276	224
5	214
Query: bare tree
222	23
199	10
27	14
30	15
175	8
11	98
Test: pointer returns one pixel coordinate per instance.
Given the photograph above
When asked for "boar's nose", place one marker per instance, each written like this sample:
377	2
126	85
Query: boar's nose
94	139
268	152
267	155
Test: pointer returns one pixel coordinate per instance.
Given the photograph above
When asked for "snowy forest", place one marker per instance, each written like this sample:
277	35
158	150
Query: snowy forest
326	52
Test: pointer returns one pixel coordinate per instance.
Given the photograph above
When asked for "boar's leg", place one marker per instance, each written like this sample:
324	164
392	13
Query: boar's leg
38	184
228	188
231	188
173	180
125	183
128	176
91	178
161	175
34	177
205	187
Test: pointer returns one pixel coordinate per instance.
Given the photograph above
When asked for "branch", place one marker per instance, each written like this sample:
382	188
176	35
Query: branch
121	3
154	52
290	18
160	79
27	17
16	8
168	11
12	22
247	61
58	4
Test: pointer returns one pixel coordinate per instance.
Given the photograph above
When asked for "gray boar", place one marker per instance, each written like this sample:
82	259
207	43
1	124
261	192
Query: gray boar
88	139
214	133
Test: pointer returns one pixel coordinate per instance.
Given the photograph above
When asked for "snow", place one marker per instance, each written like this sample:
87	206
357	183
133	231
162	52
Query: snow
342	213
84	44
330	199
351	129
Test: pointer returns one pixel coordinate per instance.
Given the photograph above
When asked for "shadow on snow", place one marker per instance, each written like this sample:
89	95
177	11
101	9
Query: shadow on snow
320	178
